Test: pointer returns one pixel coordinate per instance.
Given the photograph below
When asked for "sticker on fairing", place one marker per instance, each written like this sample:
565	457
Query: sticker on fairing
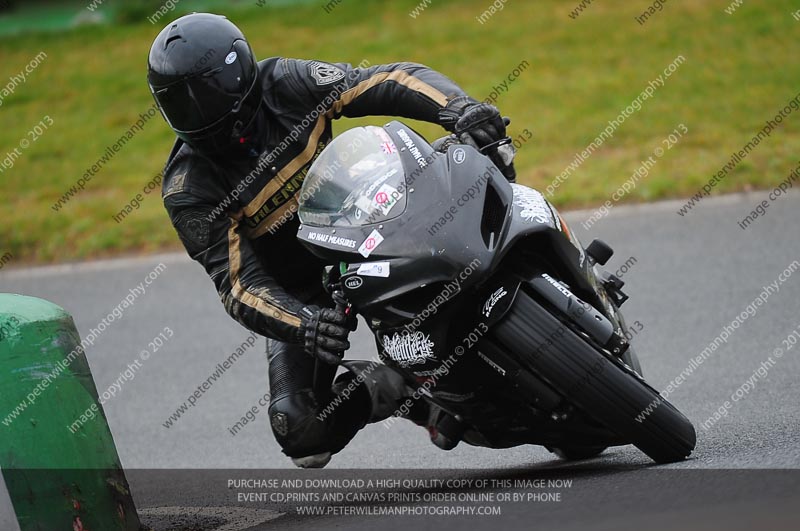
353	282
333	240
558	285
379	181
533	204
386	198
370	244
387	144
493	299
412	148
409	348
374	269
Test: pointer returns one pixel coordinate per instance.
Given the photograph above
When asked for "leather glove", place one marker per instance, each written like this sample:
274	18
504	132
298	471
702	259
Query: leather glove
324	332
481	121
478	124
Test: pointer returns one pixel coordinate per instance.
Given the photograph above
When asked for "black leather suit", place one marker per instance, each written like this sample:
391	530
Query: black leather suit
235	214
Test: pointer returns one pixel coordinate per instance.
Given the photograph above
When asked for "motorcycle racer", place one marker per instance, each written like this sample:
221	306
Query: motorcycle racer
247	133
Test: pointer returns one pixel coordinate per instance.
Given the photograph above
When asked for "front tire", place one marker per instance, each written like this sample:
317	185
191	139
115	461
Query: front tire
577	453
600	387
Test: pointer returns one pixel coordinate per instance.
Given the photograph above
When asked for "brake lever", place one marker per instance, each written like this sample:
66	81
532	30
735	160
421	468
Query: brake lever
331	279
496	145
340	300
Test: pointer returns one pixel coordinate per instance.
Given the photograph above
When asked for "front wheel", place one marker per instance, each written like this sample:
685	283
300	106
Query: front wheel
595	384
577	453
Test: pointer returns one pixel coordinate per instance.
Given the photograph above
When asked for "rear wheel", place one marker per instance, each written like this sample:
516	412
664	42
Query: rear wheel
603	389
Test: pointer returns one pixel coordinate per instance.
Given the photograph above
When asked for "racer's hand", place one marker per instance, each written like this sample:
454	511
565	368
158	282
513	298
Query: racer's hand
481	121
324	332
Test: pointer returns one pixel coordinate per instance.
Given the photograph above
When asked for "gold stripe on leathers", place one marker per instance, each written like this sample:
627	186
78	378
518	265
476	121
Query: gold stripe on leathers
240	293
398	76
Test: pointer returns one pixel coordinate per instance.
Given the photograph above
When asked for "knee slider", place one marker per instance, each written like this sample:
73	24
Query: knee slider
297	425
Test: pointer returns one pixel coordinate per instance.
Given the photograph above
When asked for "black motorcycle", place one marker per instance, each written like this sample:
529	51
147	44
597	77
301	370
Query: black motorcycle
482	297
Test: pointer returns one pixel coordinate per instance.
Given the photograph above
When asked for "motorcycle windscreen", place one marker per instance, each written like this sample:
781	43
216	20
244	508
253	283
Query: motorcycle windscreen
357	180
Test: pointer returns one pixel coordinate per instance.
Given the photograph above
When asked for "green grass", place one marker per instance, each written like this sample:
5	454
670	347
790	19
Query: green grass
740	70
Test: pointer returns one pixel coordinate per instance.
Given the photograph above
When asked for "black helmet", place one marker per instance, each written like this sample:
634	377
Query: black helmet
204	77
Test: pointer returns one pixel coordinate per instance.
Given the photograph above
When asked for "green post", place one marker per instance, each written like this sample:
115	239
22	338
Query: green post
57	477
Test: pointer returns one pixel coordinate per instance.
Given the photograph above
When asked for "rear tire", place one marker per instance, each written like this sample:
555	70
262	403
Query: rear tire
600	387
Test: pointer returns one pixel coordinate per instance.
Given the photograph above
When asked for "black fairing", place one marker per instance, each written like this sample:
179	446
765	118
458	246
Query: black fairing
434	287
487	223
419	254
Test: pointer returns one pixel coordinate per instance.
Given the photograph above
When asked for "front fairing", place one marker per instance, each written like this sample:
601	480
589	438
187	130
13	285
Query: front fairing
414	250
456	217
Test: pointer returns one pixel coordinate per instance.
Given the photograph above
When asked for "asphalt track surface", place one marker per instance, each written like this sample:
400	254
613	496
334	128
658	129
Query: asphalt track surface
692	275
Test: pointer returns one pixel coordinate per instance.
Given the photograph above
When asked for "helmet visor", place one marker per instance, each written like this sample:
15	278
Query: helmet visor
198	101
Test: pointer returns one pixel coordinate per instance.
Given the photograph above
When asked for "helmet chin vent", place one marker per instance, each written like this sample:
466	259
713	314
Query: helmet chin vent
173	38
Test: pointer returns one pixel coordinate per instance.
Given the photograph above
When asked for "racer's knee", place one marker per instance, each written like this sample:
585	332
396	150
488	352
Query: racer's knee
304	426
